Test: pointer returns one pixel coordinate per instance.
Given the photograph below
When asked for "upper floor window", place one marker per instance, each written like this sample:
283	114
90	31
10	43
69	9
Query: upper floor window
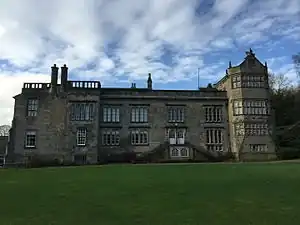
82	111
250	107
32	107
236	81
213	114
81	136
251	129
176	114
239	129
253	81
111	137
139	137
237	107
30	139
111	114
214	139
139	114
176	135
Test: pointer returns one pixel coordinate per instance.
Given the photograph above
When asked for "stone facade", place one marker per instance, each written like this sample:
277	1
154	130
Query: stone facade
83	122
3	149
248	83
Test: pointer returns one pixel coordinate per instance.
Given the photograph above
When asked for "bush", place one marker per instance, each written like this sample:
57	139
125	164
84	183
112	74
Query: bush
286	153
124	157
229	156
36	162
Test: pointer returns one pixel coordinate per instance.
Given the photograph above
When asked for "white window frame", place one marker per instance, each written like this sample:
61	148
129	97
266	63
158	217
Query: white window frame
214	139
139	114
139	137
176	136
239	129
111	137
256	129
81	136
236	81
176	114
250	107
176	152
30	136
32	107
111	114
253	81
82	111
256	148
237	107
213	114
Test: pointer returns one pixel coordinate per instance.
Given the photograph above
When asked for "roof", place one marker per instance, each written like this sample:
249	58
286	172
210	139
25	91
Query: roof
237	69
3	144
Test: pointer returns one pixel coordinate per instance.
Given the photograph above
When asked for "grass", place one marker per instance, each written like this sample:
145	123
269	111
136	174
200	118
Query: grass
152	194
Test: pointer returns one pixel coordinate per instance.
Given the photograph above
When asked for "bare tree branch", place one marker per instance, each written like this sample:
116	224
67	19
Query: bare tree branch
4	130
296	60
279	83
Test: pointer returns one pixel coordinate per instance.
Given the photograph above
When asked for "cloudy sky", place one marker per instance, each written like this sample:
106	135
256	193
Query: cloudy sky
121	41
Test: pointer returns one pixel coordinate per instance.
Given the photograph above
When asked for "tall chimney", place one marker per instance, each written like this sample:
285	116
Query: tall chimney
149	81
64	77
54	75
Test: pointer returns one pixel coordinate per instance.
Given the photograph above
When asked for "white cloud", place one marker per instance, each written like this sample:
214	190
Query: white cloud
11	85
168	38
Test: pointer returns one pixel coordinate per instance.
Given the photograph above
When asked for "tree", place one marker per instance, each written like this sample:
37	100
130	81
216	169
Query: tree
279	83
4	130
296	60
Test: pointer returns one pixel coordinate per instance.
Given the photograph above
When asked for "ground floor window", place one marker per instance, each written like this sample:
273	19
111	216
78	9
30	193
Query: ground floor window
2	160
258	147
111	137
81	136
179	152
139	137
80	159
30	139
214	139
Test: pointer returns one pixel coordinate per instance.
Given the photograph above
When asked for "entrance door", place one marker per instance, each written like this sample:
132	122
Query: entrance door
80	159
176	136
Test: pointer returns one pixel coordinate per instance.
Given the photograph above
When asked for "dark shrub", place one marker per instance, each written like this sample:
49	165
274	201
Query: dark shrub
36	162
229	156
124	157
286	153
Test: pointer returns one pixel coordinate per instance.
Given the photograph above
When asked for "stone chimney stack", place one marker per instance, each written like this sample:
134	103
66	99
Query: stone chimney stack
54	77
64	77
149	81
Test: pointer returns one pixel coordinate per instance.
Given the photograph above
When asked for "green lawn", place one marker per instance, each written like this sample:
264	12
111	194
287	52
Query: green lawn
219	194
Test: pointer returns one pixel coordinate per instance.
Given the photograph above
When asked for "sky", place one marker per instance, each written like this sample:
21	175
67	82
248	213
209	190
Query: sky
120	41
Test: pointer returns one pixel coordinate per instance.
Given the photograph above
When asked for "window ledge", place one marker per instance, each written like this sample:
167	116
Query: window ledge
110	145
29	147
110	122
140	144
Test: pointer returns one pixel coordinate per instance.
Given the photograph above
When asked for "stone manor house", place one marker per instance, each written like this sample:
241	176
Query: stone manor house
84	122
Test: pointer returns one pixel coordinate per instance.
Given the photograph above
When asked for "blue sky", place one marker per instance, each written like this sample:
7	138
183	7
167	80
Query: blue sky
120	41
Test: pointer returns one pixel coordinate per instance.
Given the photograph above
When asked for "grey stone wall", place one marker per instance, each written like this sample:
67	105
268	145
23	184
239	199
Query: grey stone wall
240	144
56	133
